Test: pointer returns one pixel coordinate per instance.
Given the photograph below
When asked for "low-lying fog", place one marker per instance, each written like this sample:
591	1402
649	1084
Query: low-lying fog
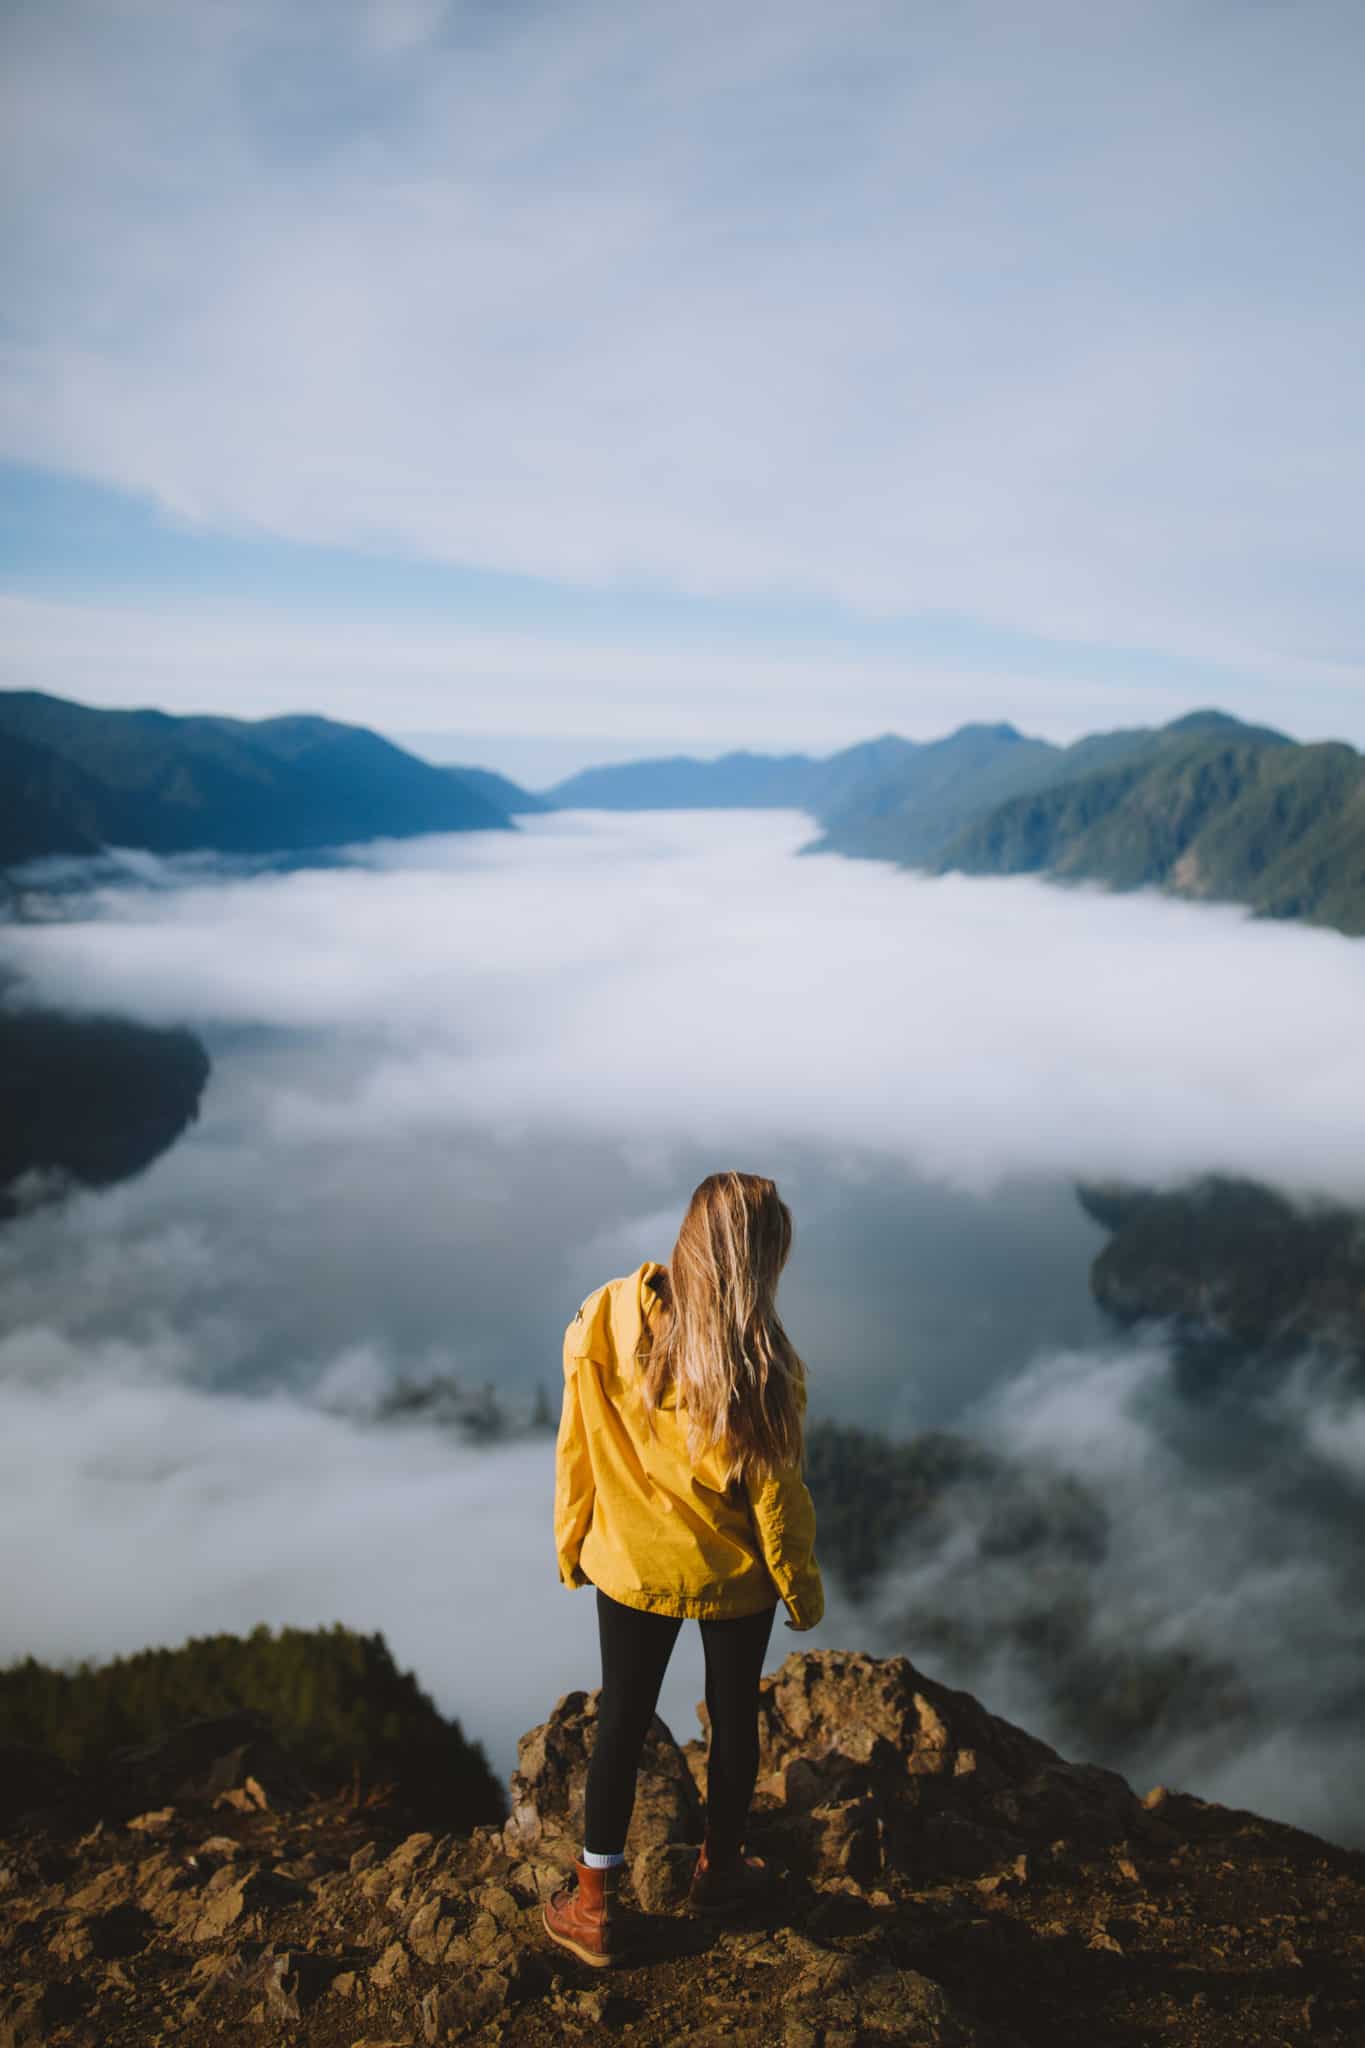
460	1083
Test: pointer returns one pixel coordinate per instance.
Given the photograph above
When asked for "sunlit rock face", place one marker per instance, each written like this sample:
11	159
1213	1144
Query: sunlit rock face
88	1100
876	1766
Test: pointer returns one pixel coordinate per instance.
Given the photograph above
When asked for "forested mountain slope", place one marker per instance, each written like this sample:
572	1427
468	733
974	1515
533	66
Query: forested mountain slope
87	1101
1225	813
75	778
912	811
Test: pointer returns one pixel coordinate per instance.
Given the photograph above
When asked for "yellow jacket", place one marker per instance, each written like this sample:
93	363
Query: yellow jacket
635	1517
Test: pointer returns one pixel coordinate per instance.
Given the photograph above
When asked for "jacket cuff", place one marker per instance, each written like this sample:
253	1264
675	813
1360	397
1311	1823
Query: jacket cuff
805	1603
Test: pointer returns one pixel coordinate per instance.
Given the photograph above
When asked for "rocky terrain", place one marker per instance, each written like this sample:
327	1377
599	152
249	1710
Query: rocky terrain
941	1877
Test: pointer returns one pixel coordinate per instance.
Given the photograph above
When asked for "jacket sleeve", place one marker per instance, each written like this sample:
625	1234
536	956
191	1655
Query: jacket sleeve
574	1487
784	1517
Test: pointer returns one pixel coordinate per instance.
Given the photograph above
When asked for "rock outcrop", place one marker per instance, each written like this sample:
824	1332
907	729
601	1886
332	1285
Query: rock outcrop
940	1877
87	1100
1243	1275
873	1766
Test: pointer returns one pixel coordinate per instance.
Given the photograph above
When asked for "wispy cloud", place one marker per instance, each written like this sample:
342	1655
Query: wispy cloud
1229	1550
1043	319
402	673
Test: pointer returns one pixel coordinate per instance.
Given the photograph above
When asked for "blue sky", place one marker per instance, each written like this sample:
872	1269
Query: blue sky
563	383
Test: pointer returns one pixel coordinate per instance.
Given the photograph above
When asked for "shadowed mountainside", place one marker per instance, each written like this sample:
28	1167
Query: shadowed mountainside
51	807
89	1099
77	779
938	1876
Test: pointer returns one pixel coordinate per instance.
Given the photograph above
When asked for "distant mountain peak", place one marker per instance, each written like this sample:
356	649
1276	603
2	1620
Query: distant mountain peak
983	729
884	742
1214	721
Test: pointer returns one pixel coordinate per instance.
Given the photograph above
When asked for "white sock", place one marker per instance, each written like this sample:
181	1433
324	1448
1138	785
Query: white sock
595	1862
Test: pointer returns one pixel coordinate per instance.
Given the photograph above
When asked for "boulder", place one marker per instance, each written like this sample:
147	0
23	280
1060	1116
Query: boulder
293	1979
434	1929
391	1966
473	1995
230	1897
872	1764
661	1874
410	1854
864	1764
285	1981
552	1768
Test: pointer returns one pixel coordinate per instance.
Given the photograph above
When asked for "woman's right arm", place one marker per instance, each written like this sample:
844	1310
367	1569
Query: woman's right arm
784	1517
574	1487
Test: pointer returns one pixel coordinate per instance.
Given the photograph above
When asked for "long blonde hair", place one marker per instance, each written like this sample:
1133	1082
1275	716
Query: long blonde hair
719	1337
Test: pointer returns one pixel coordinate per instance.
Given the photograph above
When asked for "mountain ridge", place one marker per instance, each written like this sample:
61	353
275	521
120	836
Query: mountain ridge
1207	807
739	779
85	778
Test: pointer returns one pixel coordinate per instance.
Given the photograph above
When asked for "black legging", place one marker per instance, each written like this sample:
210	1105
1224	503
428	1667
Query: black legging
636	1647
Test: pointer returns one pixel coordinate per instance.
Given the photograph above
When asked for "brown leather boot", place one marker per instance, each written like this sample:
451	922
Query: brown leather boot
726	1884
585	1918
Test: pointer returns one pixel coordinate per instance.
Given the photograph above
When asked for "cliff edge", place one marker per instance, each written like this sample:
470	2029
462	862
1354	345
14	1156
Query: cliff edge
943	1878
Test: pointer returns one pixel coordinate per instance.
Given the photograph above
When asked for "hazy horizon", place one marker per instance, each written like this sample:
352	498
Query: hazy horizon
522	757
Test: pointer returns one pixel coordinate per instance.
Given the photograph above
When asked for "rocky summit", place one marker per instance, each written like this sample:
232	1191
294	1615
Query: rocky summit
940	1876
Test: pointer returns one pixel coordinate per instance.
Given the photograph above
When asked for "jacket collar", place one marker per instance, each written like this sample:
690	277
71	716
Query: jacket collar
653	1287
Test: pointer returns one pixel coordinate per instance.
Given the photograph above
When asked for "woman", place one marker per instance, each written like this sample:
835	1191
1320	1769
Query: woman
678	1492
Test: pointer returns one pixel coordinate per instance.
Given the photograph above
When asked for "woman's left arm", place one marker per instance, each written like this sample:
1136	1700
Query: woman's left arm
574	1486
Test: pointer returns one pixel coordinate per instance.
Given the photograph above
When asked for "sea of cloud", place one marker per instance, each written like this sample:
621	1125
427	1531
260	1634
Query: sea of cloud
463	1080
659	979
